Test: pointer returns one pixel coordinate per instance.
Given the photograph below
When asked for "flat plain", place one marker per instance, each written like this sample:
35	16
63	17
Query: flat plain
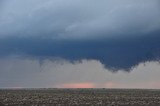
79	97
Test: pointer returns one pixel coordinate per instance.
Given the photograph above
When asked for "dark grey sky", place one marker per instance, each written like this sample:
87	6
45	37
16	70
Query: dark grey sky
120	34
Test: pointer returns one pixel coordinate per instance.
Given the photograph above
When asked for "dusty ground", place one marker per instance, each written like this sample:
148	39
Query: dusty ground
82	97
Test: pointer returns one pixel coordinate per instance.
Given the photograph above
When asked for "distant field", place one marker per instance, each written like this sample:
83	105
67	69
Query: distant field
82	97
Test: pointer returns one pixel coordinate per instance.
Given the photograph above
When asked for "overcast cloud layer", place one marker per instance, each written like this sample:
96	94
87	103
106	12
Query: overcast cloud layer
118	33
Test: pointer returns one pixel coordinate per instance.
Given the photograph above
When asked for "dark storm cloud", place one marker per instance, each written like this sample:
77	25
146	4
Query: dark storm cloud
121	34
113	53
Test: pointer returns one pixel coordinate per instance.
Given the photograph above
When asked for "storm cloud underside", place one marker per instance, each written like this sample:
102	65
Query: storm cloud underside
114	54
120	34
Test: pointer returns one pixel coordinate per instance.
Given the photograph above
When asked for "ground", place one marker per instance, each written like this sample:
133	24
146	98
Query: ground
79	97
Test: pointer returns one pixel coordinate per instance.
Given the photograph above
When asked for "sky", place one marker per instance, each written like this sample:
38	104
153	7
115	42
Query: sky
80	44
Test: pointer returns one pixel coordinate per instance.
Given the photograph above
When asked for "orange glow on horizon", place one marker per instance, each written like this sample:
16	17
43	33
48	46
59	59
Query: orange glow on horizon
77	85
111	85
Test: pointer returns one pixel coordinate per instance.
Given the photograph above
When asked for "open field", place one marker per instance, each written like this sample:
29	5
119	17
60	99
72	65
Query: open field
82	97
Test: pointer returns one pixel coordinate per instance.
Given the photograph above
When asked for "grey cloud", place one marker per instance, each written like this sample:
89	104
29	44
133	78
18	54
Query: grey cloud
120	34
79	19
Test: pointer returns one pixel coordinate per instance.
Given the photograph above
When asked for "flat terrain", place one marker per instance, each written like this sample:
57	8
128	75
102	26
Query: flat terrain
82	97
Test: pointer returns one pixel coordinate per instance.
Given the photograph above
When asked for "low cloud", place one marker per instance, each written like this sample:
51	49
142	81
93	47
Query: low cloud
18	73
